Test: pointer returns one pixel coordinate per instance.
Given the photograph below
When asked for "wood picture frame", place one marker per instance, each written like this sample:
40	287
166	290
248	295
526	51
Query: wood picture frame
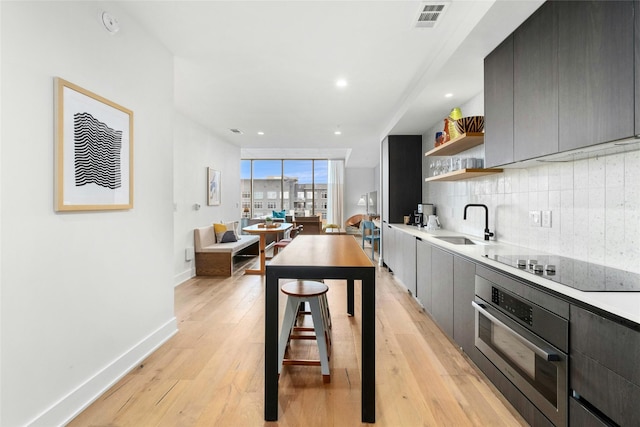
93	151
213	187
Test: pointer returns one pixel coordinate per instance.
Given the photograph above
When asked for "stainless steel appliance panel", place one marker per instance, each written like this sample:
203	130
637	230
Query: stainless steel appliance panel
505	332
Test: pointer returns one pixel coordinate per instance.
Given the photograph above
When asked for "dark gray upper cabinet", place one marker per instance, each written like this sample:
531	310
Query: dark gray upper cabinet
636	6
401	176
498	105
535	85
596	81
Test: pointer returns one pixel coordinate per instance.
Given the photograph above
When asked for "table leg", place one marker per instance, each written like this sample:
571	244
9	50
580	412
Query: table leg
263	240
350	298
369	347
271	348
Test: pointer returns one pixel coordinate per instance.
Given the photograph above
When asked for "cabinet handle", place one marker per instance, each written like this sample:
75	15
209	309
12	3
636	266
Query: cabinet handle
550	357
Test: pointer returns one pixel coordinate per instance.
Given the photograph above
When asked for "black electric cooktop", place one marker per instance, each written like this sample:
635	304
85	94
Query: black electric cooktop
580	275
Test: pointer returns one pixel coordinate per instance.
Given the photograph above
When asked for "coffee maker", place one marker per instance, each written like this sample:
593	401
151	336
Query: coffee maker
424	210
416	218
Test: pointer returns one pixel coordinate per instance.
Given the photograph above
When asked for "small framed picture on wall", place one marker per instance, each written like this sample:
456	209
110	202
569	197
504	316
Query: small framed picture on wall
213	187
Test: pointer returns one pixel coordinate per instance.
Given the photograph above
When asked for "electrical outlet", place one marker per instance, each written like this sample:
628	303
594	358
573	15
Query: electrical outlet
534	218
546	219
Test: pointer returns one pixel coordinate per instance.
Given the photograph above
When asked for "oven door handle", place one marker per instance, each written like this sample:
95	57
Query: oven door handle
550	357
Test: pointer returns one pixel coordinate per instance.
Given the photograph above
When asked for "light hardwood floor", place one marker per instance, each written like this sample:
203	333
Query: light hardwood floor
211	373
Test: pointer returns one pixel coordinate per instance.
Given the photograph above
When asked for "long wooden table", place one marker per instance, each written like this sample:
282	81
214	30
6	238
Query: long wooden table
322	257
281	227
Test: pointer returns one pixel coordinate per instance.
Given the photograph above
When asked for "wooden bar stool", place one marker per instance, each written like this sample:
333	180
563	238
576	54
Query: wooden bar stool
315	294
282	243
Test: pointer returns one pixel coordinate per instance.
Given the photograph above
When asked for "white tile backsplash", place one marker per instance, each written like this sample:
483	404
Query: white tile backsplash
595	205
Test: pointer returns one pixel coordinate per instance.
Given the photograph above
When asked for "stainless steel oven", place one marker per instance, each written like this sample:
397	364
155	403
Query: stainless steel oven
510	332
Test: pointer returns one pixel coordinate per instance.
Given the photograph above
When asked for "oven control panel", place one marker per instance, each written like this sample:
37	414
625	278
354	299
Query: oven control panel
514	306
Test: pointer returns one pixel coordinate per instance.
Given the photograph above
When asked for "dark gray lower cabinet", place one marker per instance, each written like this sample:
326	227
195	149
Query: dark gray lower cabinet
408	255
604	367
442	289
463	314
389	246
423	274
580	416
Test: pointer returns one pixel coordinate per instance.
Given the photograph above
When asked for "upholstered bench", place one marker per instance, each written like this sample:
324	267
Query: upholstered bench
216	259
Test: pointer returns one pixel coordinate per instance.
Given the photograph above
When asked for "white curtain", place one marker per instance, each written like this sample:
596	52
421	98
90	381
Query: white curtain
335	192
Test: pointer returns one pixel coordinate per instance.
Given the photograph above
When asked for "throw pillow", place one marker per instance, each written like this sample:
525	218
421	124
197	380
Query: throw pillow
219	230
228	236
281	214
233	226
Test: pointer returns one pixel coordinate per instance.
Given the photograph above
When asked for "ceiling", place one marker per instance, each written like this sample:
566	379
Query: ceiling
272	67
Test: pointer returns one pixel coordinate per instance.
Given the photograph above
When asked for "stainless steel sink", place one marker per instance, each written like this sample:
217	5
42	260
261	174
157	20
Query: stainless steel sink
456	240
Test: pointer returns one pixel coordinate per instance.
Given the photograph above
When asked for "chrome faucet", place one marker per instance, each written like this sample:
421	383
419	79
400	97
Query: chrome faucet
487	233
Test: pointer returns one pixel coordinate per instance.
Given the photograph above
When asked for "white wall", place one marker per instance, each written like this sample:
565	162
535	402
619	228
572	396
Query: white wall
357	181
195	149
595	205
84	295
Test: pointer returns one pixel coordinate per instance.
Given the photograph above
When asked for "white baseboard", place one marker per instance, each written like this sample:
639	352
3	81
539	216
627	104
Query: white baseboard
180	278
75	402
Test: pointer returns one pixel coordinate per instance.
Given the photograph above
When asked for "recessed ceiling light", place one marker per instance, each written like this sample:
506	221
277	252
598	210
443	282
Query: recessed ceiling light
448	95
260	133
337	132
341	83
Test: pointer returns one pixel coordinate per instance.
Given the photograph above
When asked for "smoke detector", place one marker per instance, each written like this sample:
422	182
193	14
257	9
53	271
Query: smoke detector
236	131
430	14
110	22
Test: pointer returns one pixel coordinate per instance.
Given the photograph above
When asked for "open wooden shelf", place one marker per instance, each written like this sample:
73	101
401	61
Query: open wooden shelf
457	145
462	174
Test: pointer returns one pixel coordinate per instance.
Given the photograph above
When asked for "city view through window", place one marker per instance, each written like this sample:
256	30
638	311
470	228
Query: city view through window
298	187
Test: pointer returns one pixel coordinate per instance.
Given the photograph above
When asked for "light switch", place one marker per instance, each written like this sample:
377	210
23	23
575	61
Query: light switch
546	219
534	218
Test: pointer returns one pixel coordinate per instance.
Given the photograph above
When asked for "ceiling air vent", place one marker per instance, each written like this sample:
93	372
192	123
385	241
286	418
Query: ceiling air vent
238	131
430	14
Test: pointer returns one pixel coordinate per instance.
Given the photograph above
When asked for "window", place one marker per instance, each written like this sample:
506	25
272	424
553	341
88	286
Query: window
284	185
245	187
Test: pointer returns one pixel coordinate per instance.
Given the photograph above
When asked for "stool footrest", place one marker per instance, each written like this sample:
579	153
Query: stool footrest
304	362
304	328
302	337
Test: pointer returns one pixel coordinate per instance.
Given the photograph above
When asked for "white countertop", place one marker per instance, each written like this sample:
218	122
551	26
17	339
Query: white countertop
623	304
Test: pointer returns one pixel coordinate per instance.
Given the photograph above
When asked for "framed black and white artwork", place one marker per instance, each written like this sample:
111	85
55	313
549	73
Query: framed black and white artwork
94	151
